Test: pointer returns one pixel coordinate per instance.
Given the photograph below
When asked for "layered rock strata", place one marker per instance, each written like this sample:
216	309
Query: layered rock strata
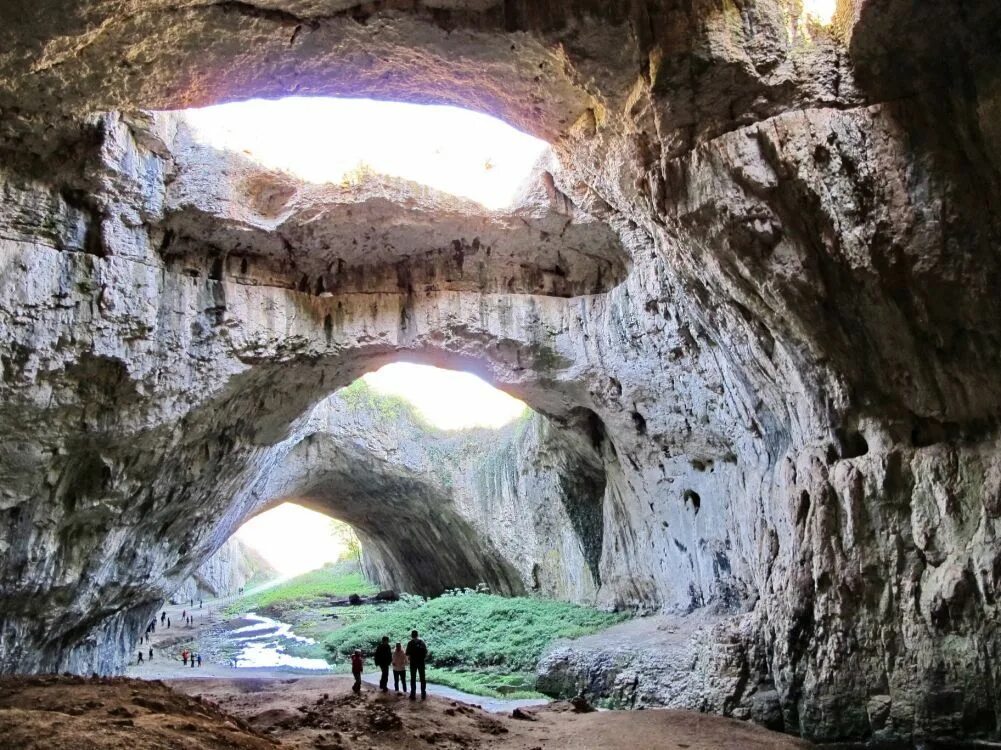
786	377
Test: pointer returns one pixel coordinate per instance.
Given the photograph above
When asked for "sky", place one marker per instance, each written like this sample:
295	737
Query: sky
464	153
821	11
292	538
448	399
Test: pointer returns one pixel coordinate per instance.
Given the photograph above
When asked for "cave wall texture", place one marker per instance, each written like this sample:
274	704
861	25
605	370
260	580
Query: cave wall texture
753	296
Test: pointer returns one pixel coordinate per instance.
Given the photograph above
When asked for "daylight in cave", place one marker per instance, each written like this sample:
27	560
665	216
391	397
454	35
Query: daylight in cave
323	139
712	288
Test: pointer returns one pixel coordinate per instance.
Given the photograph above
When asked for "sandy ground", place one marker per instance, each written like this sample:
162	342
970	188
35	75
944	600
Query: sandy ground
322	713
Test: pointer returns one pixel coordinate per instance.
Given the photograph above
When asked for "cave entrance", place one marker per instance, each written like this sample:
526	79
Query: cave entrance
400	456
291	540
332	140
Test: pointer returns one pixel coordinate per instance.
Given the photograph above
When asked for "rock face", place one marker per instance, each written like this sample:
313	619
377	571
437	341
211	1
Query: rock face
229	568
765	349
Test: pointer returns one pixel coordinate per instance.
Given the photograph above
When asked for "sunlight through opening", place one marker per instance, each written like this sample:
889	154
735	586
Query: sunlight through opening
447	399
820	11
294	540
327	140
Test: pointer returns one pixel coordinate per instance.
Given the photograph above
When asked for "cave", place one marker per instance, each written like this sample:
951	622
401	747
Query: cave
750	296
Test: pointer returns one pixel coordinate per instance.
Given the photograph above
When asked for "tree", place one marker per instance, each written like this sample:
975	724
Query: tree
346	538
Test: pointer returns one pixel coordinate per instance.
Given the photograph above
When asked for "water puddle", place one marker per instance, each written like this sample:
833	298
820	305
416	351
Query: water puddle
263	644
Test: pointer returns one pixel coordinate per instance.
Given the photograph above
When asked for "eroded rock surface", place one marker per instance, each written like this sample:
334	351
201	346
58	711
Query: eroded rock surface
784	384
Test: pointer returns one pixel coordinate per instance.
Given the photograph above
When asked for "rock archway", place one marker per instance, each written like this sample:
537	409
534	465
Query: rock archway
786	371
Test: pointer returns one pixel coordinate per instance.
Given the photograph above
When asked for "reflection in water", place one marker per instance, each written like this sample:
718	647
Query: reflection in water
263	645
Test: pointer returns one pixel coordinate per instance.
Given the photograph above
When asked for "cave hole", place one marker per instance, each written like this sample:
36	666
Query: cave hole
456	151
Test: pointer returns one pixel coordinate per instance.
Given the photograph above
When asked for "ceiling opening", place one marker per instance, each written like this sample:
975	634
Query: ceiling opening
446	399
331	140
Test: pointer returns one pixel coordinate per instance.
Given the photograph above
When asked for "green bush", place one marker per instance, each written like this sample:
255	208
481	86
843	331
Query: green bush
475	630
304	591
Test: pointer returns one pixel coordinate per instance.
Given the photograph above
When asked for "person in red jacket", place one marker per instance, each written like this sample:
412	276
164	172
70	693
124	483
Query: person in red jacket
357	665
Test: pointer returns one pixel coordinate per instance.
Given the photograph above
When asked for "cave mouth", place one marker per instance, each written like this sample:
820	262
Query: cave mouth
292	539
335	140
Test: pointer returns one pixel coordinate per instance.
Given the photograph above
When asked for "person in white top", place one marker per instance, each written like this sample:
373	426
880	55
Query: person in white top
399	668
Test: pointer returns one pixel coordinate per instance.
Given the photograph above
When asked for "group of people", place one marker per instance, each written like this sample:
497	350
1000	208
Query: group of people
415	655
187	656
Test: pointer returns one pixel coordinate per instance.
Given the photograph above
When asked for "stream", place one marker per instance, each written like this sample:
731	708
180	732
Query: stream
262	644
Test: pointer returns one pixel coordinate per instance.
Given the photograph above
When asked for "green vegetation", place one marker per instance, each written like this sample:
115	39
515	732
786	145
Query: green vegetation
483	644
307	591
359	395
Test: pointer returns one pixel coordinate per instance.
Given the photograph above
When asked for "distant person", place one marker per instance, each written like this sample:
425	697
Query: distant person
184	613
163	616
199	660
399	668
140	659
357	666
417	653
383	659
184	657
168	623
192	661
151	653
199	604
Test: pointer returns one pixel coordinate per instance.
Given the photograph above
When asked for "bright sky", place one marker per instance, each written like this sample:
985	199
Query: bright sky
292	538
821	11
320	139
448	399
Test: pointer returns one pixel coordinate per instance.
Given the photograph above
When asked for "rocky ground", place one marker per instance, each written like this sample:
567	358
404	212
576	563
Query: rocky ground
321	712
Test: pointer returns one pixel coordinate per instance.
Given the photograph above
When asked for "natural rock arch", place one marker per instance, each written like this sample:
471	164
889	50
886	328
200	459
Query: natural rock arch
805	339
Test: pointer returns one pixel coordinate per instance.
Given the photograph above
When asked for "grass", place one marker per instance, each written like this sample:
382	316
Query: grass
306	591
479	643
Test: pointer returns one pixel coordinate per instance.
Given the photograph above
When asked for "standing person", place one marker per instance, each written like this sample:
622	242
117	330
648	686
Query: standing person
357	665
383	659
199	660
184	613
168	623
151	653
417	652
163	616
399	668
140	661
184	657
192	659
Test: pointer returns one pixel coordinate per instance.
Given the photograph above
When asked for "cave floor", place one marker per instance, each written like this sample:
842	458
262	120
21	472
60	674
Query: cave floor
321	712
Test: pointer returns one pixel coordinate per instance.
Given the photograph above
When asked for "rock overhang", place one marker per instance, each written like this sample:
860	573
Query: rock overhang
376	234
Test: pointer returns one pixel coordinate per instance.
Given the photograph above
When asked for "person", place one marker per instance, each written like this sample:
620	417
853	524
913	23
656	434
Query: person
184	657
357	664
163	616
140	661
383	658
151	653
192	660
199	660
184	613
168	623
417	653
199	604
399	668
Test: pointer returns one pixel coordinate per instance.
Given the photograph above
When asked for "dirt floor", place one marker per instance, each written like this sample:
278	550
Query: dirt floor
322	713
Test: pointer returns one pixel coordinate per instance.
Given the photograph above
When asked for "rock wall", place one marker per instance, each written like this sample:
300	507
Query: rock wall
229	568
781	383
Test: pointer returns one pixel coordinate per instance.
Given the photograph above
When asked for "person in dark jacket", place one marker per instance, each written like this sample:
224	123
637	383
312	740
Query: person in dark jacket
383	658
357	667
417	652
